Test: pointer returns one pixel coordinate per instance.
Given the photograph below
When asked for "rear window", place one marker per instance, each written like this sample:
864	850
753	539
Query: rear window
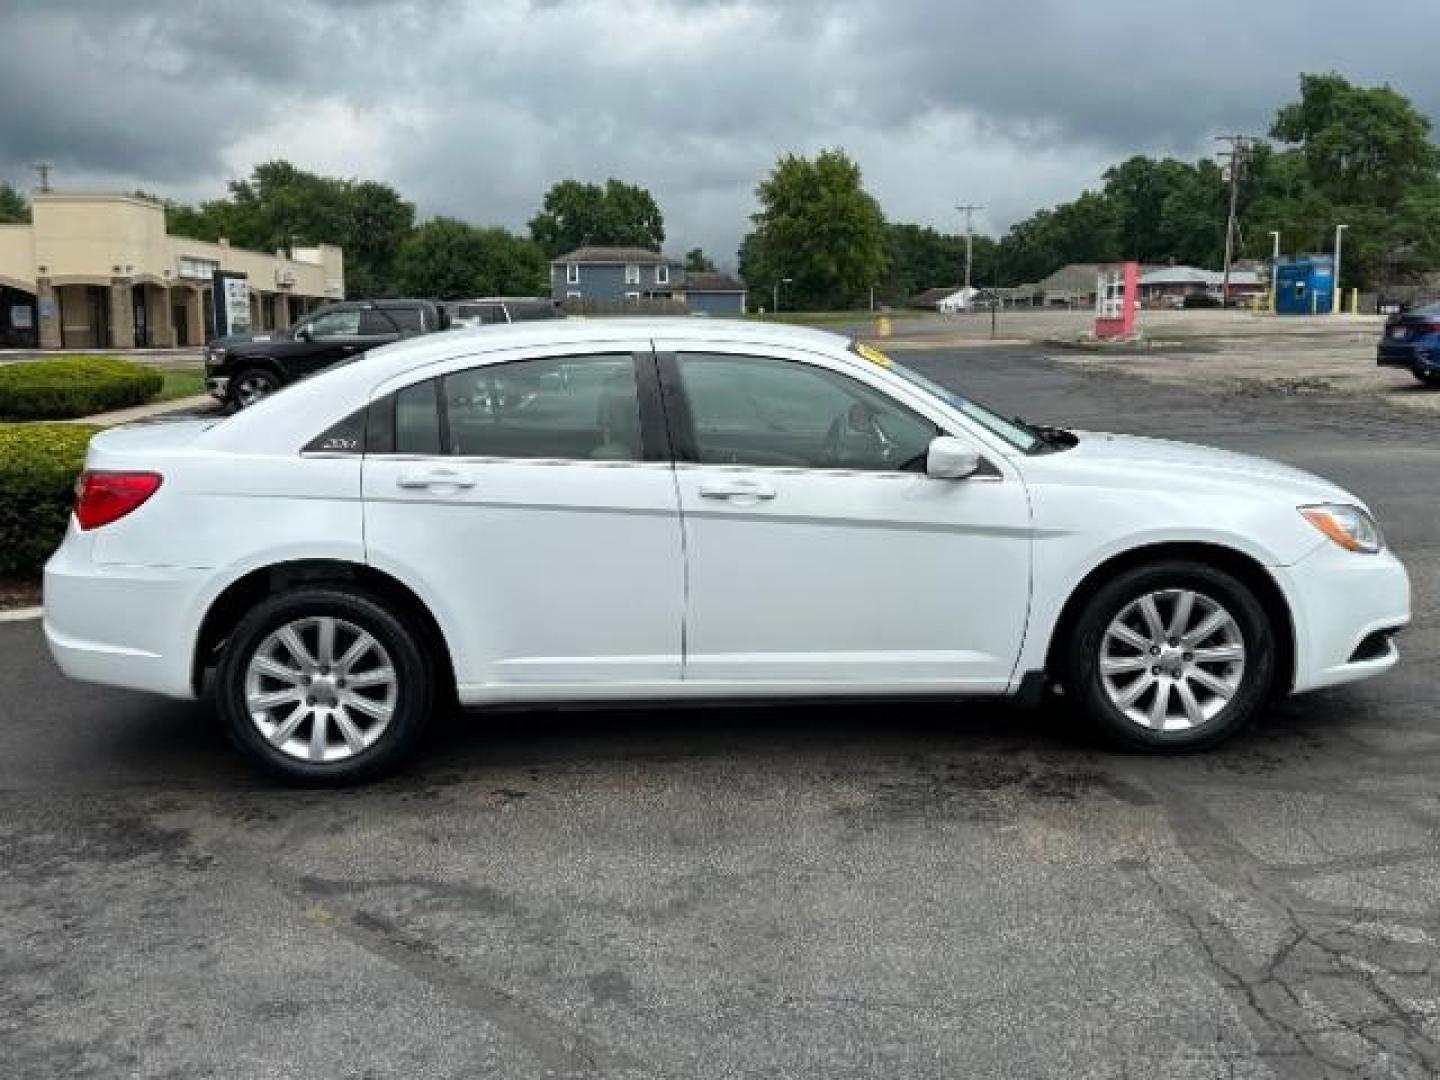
409	320
528	310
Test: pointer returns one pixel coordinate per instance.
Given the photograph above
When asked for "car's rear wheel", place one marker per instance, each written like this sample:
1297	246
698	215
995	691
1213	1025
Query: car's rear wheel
251	385
1429	378
325	685
1171	656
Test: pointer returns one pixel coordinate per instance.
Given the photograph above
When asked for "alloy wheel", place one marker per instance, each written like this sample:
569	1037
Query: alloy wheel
321	689
251	389
1172	660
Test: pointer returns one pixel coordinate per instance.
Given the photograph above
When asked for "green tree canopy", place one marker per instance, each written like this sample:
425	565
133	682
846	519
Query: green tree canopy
281	206
574	214
451	259
14	207
818	227
697	262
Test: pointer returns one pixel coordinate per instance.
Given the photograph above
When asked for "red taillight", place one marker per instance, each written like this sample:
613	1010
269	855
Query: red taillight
103	497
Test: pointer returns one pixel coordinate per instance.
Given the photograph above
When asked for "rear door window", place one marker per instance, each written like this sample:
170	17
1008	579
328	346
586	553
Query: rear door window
567	407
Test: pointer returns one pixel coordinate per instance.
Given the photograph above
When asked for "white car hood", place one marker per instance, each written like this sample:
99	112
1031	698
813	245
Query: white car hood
1177	462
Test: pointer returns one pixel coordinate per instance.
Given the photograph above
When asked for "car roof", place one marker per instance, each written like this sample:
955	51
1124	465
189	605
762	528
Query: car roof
412	353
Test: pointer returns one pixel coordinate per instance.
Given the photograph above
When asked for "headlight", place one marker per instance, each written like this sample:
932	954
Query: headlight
1349	526
215	354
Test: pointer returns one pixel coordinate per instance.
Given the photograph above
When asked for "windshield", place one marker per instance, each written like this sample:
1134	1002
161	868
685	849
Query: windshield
1017	435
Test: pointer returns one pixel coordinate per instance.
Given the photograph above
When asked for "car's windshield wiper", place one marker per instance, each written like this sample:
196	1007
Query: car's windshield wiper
1052	438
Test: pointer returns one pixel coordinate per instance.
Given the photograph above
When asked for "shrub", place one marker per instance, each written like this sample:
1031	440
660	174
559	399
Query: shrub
70	386
38	467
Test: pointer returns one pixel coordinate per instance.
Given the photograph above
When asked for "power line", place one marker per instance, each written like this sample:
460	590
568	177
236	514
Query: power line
968	210
1240	146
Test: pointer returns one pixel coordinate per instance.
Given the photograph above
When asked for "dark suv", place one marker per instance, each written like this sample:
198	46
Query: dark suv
487	310
243	368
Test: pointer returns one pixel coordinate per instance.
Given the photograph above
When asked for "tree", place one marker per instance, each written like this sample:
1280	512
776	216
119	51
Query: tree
818	227
281	206
574	214
450	259
1362	144
697	262
14	207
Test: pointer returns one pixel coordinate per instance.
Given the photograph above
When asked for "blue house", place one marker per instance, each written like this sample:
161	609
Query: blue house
613	278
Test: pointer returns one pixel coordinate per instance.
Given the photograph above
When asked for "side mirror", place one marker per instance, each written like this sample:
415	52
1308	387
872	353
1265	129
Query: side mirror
302	333
950	458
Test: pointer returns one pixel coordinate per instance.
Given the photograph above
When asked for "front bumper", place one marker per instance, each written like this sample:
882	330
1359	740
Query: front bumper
1346	607
218	386
120	625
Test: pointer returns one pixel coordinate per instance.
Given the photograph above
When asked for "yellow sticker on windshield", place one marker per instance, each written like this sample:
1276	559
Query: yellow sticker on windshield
874	355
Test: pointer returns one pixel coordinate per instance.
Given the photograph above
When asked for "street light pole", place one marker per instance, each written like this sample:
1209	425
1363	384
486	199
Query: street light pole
1335	288
1274	271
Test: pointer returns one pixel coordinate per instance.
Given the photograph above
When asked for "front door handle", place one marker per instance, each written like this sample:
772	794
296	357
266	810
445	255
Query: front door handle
736	489
434	478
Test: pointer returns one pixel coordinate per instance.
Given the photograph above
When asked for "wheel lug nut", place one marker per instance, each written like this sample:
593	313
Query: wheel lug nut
1154	650
1189	656
1155	670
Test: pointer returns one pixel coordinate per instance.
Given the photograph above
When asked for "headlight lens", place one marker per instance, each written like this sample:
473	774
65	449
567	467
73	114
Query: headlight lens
1349	526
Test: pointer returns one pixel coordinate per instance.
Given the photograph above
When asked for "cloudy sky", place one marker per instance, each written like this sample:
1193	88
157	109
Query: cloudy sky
472	107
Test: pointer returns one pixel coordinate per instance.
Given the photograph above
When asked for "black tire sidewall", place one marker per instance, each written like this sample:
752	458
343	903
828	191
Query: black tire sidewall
400	639
1083	677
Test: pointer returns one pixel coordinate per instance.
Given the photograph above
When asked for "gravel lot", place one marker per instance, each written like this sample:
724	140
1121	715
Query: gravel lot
879	890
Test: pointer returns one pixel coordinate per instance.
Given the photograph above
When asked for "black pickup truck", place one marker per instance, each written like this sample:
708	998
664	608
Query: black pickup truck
243	368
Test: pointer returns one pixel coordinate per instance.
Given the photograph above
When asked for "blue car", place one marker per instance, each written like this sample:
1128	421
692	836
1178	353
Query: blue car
1412	340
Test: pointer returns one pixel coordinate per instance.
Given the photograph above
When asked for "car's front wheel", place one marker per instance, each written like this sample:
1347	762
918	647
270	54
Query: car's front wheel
251	385
325	685
1172	656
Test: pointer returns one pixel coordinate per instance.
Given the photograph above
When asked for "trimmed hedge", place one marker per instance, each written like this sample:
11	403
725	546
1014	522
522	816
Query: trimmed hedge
38	467
71	386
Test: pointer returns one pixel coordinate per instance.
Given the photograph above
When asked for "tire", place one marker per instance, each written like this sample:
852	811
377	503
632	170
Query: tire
1200	715
357	741
250	385
1429	378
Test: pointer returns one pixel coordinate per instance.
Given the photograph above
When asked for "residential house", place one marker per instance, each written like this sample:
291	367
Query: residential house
613	278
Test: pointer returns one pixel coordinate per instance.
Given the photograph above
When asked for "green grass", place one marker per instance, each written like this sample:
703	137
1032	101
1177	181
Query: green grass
181	382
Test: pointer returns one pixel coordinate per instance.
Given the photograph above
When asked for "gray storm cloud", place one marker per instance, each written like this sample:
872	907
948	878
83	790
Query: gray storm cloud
474	108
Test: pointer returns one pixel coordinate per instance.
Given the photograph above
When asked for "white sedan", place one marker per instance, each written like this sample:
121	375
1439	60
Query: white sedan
673	509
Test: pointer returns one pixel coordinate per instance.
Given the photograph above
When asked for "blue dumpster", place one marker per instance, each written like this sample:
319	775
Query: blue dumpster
1305	286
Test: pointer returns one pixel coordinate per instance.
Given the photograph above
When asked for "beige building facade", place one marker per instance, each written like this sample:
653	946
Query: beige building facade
100	271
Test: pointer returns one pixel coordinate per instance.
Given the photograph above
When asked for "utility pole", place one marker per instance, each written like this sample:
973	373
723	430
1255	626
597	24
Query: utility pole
43	169
1335	288
969	211
1239	146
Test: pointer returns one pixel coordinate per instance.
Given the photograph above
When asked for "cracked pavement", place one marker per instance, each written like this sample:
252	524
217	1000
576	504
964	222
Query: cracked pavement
896	889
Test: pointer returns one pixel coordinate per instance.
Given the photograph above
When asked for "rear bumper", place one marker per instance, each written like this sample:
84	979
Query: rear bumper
1415	357
126	626
1346	607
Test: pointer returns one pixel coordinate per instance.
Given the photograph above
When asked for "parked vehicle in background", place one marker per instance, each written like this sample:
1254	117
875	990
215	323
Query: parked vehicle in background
1412	340
492	310
243	368
589	510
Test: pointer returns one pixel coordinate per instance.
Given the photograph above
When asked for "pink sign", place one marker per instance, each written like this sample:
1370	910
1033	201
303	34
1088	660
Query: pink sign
1116	298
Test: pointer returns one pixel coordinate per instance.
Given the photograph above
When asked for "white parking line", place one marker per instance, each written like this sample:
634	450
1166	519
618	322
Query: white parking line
21	614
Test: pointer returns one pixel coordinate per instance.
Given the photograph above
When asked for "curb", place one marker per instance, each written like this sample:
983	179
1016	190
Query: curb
144	412
22	614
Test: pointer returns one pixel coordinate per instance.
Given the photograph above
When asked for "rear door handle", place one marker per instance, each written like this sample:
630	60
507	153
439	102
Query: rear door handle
736	489
434	478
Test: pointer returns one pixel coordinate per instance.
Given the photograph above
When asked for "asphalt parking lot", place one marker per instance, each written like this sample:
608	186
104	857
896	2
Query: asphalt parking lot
890	889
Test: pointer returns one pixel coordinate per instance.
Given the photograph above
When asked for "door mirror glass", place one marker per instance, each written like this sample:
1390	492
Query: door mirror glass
950	458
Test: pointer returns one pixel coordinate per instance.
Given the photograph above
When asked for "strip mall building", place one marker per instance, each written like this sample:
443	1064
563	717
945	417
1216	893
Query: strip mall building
100	271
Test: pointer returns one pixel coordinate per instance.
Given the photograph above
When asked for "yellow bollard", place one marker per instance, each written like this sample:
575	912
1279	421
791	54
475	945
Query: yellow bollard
882	326
1355	301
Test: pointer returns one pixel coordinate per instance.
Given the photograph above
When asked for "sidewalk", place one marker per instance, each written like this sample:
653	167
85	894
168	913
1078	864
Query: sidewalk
201	404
